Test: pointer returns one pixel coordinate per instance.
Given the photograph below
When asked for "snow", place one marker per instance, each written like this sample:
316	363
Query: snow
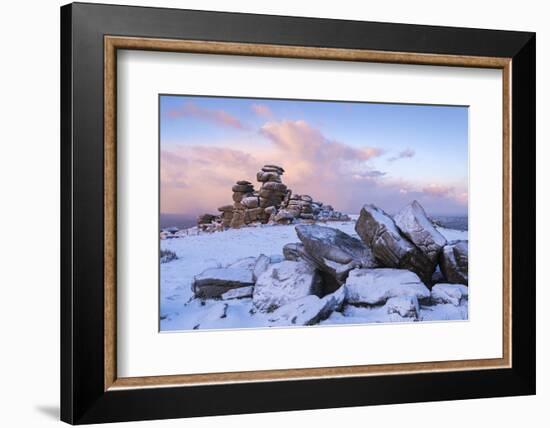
198	251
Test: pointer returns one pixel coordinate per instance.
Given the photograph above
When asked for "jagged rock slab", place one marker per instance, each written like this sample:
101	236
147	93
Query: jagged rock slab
334	251
376	286
413	222
260	266
454	294
283	283
238	293
308	310
214	282
378	230
454	262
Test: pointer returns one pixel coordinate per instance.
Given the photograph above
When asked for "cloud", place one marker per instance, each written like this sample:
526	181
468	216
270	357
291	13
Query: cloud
407	153
262	110
218	117
438	190
197	179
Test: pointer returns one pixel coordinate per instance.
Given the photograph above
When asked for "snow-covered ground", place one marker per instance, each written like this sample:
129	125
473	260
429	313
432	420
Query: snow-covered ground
197	252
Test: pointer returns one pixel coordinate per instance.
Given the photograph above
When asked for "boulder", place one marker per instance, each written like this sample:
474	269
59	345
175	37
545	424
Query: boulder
284	282
238	293
378	230
376	286
404	306
238	219
454	294
269	168
334	251
245	263
260	266
226	208
243	188
308	310
214	282
206	218
454	262
413	222
244	183
263	176
250	202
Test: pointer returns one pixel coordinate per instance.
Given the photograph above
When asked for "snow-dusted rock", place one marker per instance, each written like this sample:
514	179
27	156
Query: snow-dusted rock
308	310
283	283
376	286
260	266
454	262
378	230
413	222
244	263
294	251
212	283
449	293
334	251
238	293
404	306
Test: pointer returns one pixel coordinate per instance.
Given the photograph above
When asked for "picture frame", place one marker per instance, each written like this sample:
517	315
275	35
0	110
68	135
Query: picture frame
91	390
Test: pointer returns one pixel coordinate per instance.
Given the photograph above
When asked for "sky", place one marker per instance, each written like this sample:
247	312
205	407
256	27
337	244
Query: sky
346	154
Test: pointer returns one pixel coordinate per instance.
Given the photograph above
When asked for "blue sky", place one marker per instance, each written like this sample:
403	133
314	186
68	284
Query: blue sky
383	153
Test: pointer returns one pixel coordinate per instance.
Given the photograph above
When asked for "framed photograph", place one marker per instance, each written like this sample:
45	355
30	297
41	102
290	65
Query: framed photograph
266	213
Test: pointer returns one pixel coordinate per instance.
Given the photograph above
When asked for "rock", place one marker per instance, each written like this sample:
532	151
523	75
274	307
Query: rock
270	210
263	176
333	251
378	230
269	168
413	222
206	218
376	286
244	183
226	208
283	283
454	262
245	263
243	188
238	219
294	251
214	282
307	216
275	187
252	215
454	294
260	266
404	306
308	310
238	293
250	202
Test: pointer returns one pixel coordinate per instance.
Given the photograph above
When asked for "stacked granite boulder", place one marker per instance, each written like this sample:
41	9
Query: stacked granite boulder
273	203
242	191
273	191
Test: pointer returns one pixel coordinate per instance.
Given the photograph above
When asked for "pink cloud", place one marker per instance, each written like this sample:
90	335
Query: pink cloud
199	178
262	110
219	117
438	190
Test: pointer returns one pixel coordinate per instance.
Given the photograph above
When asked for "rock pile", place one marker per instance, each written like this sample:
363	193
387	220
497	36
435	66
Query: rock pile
272	203
389	270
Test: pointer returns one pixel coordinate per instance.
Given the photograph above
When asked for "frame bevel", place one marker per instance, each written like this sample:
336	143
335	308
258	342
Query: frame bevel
90	392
